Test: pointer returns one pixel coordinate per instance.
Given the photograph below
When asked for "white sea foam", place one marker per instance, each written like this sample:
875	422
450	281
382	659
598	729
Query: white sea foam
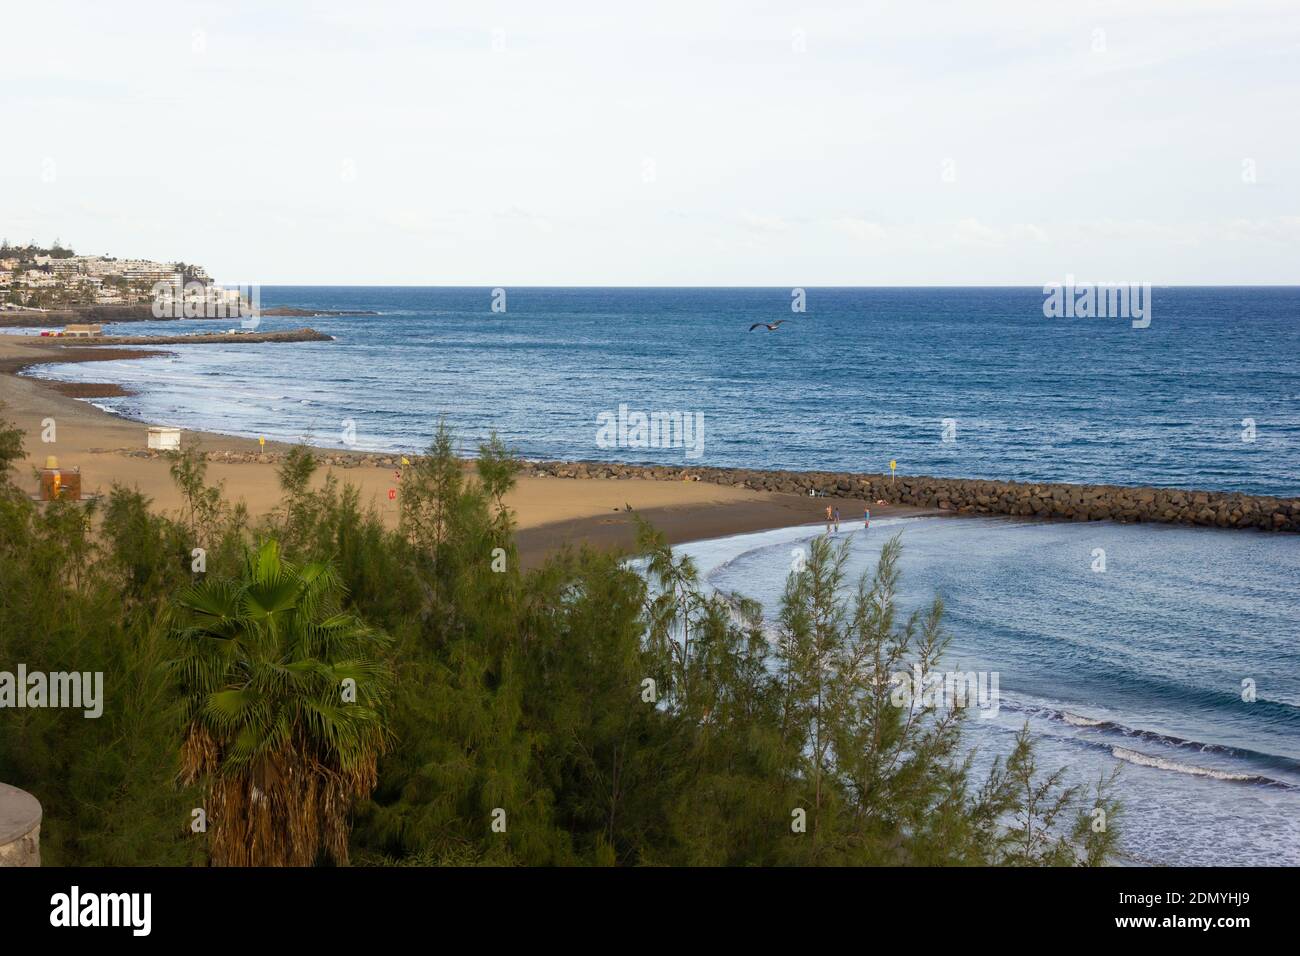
1160	763
1205	803
715	553
1074	720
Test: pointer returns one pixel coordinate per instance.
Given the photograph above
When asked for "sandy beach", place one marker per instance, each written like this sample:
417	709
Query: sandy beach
550	511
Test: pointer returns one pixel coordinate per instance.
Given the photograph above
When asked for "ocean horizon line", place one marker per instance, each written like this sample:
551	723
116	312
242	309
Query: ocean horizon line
775	287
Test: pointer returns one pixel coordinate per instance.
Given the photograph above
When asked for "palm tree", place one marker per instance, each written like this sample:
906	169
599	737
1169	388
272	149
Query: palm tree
285	698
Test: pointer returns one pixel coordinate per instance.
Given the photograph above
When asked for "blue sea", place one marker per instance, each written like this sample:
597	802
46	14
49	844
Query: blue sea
1143	666
1140	666
1208	396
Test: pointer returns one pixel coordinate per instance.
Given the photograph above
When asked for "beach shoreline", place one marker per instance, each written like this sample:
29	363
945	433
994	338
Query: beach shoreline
569	502
550	512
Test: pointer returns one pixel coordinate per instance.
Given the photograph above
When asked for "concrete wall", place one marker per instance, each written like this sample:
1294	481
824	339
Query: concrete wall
20	828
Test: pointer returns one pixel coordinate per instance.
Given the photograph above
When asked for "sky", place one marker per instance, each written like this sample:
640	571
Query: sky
666	143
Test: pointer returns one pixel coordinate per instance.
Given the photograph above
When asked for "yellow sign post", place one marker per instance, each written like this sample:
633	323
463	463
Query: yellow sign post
892	465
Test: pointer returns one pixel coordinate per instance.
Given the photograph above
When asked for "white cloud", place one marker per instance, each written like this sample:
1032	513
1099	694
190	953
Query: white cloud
1029	232
758	223
861	229
1275	229
973	232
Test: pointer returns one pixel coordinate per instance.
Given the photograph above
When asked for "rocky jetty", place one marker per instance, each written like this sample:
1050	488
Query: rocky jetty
963	496
325	457
201	338
1066	502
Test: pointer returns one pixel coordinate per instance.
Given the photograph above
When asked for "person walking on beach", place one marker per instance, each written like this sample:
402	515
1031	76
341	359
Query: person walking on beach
866	518
837	520
828	519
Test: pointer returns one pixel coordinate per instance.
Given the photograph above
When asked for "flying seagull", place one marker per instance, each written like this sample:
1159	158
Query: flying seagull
764	325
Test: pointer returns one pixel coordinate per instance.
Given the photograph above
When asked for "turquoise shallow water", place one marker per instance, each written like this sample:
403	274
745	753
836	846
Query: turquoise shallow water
1139	666
864	376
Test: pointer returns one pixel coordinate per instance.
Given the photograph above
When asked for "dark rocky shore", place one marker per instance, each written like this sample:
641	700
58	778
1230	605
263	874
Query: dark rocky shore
1067	502
104	314
963	496
202	338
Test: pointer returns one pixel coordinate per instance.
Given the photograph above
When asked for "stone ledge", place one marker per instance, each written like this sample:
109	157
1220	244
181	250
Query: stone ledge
20	828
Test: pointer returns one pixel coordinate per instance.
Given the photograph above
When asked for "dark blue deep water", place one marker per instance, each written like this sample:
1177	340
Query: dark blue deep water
863	376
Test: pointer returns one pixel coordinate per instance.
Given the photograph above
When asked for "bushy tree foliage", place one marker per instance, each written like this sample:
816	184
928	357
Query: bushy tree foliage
596	710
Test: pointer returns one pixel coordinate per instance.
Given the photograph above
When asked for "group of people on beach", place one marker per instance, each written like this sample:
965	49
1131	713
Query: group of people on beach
833	519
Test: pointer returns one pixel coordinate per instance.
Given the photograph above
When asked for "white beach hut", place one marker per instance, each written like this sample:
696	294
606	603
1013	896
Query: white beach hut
163	438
